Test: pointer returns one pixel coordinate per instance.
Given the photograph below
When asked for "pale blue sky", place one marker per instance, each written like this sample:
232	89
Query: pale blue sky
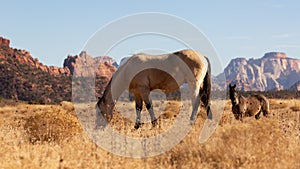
51	30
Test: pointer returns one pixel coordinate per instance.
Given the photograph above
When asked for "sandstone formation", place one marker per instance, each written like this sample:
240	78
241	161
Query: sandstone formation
4	42
85	65
296	86
23	77
274	71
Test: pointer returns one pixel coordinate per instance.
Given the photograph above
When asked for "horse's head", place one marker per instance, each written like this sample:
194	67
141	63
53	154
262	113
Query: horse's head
104	111
233	95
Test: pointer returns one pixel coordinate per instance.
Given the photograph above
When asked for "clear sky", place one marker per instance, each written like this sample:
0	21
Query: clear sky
51	30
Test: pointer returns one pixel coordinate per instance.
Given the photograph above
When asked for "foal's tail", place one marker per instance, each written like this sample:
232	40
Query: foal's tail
265	106
205	92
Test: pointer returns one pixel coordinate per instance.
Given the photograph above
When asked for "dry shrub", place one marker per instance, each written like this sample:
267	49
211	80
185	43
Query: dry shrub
228	106
226	118
53	125
255	144
68	106
172	109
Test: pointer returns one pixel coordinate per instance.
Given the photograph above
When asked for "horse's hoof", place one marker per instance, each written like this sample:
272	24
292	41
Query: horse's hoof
99	127
137	125
154	123
192	122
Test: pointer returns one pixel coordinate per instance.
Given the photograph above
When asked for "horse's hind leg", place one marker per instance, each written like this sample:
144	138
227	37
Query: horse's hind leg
266	110
195	97
205	98
145	96
266	113
257	116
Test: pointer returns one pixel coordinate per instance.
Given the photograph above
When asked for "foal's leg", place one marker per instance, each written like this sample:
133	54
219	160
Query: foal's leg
257	116
138	108
265	108
148	102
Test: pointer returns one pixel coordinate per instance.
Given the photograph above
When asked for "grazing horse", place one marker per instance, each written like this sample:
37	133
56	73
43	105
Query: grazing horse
246	107
166	72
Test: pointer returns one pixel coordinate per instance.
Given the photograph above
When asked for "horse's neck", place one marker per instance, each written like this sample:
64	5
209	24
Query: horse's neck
241	99
238	97
108	95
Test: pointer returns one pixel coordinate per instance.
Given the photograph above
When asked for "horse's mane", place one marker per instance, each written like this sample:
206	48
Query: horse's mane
120	70
105	90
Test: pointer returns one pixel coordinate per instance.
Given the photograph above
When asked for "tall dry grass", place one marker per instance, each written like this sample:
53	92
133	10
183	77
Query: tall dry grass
50	136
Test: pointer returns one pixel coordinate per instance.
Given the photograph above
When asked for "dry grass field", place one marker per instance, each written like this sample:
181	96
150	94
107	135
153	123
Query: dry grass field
50	136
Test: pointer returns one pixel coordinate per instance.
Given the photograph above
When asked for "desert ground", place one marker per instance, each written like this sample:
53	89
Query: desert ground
51	136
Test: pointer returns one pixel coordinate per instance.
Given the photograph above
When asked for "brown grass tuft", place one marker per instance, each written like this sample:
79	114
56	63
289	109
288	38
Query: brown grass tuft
51	126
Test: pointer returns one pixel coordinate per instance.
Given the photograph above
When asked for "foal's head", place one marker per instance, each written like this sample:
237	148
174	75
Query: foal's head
234	97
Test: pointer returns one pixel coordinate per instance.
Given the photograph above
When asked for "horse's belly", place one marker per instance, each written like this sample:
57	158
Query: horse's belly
252	111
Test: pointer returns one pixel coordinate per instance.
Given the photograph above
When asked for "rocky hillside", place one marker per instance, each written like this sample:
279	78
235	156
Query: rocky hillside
103	65
83	68
296	86
274	71
23	77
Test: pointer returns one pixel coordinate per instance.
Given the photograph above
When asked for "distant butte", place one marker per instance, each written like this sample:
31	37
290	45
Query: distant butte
4	42
278	55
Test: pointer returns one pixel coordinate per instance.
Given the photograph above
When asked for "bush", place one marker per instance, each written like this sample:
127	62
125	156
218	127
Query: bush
53	125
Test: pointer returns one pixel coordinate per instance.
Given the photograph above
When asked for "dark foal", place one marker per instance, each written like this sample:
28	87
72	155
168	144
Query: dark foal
250	106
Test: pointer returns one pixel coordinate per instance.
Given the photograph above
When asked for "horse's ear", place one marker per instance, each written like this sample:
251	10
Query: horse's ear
234	86
100	99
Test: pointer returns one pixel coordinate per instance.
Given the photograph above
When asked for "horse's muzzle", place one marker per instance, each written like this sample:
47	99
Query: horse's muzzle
100	122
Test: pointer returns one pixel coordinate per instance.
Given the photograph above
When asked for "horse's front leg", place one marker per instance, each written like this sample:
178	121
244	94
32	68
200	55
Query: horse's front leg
138	109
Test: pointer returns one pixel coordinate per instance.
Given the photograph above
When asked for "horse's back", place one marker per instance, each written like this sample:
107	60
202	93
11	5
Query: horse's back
196	62
265	102
261	98
164	70
192	58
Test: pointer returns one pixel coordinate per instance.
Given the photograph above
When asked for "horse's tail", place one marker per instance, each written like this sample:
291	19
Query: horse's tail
265	106
205	92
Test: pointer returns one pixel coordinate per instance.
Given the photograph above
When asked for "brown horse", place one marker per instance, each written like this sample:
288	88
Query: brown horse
246	107
144	73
